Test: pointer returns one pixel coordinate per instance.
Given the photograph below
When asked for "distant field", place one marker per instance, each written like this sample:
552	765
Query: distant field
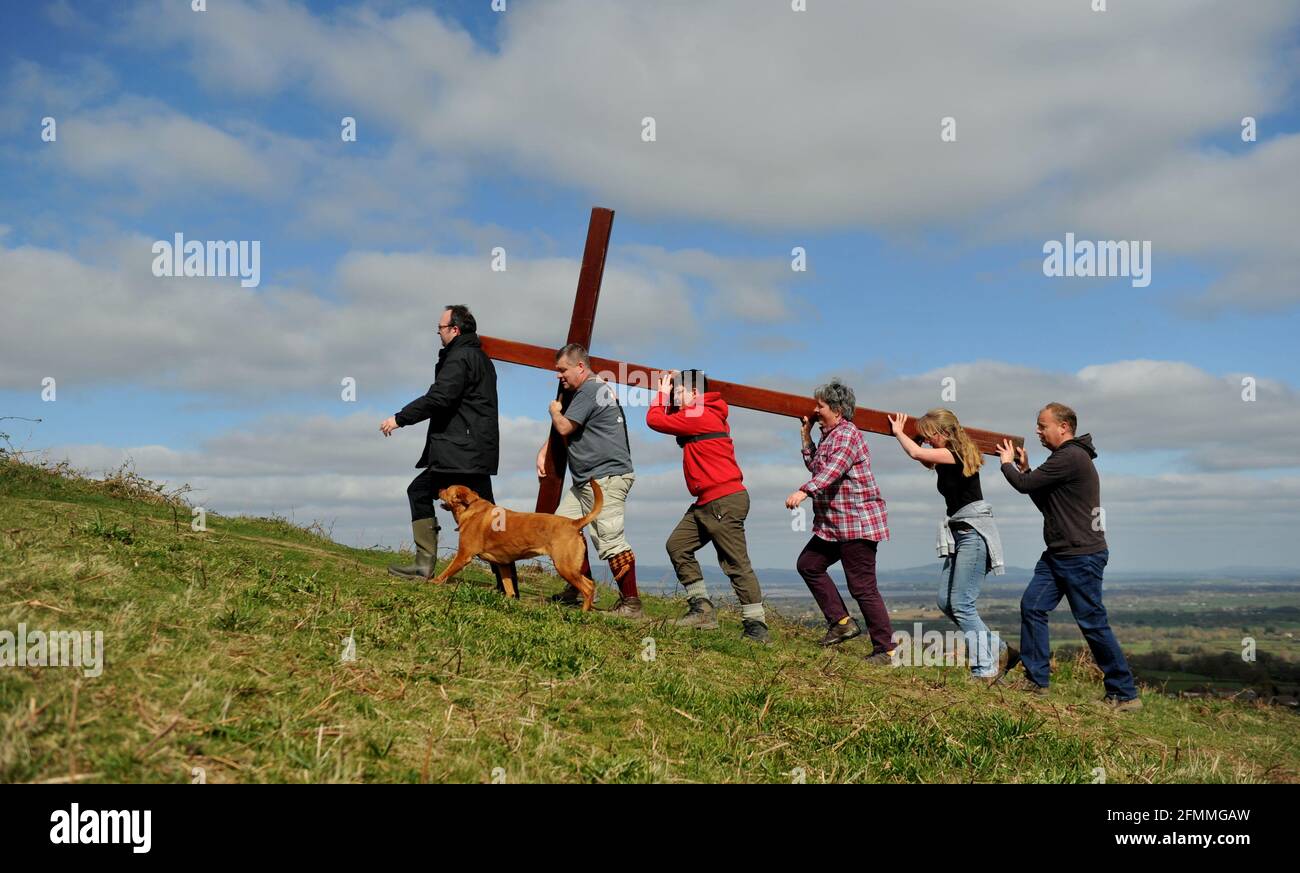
1188	621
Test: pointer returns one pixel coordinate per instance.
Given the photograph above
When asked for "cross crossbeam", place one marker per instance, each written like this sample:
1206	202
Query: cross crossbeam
581	326
744	396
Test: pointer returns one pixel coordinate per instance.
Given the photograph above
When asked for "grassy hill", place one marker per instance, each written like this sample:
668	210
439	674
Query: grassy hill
223	652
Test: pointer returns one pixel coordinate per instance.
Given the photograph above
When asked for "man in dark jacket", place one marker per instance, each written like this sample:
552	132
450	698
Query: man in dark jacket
1067	491
463	442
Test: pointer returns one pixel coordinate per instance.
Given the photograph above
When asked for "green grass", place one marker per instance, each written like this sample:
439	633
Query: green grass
223	652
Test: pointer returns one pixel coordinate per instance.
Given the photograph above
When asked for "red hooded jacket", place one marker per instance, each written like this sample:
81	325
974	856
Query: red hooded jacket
709	465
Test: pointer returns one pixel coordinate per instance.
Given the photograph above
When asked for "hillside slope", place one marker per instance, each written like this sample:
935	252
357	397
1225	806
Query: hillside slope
223	661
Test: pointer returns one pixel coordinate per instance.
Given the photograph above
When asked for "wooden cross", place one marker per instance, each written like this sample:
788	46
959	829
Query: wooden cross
580	330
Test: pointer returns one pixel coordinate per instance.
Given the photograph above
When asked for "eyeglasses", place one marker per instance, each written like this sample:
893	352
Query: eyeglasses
443	327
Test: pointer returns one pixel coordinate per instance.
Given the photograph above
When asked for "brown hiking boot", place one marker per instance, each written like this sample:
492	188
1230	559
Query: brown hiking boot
1008	658
627	607
838	633
701	615
883	658
1123	705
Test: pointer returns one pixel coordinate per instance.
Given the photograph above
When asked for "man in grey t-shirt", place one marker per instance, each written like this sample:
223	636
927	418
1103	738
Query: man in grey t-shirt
594	428
598	447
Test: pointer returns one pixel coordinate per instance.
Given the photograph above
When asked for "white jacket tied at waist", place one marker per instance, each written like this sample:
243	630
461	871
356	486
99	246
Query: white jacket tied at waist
979	515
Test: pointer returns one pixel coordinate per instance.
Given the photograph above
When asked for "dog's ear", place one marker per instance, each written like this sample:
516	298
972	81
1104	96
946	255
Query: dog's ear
464	496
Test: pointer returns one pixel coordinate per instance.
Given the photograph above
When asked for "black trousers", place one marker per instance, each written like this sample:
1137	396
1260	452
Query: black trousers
424	488
423	493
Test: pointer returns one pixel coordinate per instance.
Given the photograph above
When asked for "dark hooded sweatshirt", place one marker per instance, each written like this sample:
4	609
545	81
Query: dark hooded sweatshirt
1067	491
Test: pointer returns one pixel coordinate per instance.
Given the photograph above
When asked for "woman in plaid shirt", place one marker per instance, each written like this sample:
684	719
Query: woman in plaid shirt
848	522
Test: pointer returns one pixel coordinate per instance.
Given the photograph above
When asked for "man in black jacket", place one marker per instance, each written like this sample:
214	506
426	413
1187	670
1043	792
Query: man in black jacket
463	442
1067	491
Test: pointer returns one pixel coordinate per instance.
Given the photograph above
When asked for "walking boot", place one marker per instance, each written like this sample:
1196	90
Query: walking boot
425	532
701	615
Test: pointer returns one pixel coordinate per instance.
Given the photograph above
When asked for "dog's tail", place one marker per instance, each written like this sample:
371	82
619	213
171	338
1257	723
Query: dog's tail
595	507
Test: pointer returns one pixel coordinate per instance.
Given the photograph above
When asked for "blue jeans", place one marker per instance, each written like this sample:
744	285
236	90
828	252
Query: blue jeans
959	588
1077	578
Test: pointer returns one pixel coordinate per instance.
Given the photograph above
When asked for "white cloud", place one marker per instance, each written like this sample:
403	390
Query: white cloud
372	320
748	291
141	153
1066	119
158	149
1170	410
32	92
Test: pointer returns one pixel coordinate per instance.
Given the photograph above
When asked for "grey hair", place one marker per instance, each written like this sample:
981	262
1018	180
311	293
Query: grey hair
838	396
574	353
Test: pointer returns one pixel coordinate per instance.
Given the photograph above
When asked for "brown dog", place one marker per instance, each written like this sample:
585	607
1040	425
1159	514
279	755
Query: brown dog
499	536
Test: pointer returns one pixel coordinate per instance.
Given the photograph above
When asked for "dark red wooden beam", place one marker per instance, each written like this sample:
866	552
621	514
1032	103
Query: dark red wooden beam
583	320
761	399
581	325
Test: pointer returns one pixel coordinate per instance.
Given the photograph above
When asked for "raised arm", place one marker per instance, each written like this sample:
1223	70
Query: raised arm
926	456
677	423
805	437
828	469
1054	470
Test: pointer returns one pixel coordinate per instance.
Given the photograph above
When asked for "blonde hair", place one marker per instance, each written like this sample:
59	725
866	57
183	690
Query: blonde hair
943	422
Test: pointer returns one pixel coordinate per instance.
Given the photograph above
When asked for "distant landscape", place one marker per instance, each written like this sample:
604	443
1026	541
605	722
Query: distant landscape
1184	634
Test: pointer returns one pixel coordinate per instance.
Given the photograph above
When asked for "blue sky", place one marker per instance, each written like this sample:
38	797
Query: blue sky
479	129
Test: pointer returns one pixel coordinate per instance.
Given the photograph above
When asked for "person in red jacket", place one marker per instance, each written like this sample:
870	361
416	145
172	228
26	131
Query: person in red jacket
687	409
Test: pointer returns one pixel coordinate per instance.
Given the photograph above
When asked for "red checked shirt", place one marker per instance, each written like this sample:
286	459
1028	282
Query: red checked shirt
846	502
